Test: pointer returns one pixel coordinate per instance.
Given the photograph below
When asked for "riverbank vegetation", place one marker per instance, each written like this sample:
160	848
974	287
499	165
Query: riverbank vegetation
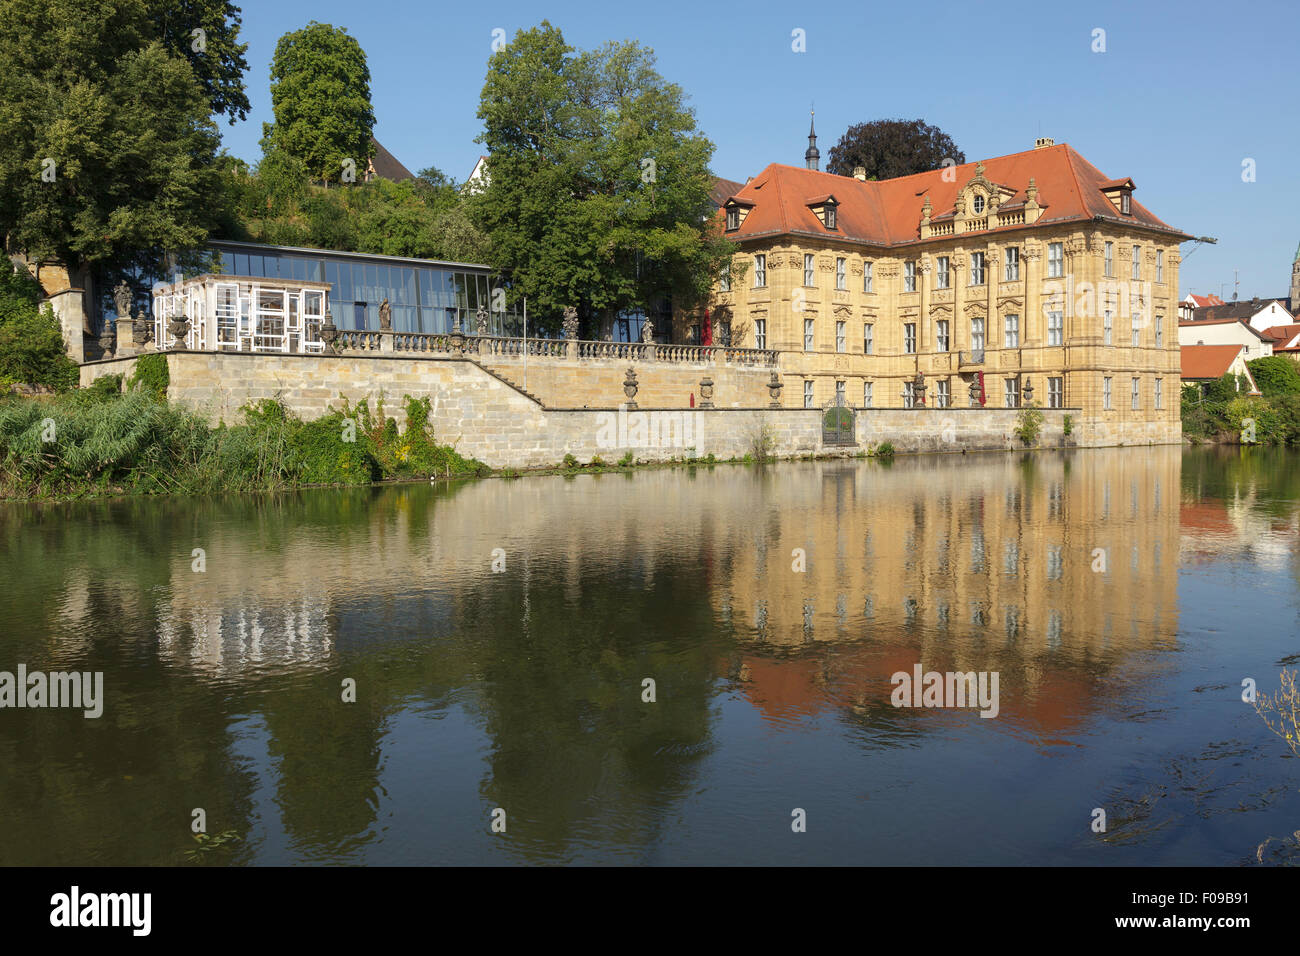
100	441
1222	411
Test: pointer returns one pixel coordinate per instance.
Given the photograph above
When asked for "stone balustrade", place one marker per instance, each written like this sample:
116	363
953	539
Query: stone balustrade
459	344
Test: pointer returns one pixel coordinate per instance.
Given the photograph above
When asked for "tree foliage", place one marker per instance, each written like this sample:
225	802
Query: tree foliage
892	148
1275	375
32	350
320	95
598	193
107	145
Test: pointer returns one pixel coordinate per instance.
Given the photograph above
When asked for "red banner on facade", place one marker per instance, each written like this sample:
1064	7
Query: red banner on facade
983	399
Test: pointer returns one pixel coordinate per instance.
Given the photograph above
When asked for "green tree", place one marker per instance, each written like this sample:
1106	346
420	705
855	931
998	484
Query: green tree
107	146
206	32
1275	375
598	192
892	148
320	95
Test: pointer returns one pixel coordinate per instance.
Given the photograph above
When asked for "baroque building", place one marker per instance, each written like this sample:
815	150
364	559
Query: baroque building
1029	277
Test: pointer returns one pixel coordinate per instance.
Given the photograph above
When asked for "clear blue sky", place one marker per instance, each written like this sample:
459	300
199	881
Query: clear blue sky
1183	94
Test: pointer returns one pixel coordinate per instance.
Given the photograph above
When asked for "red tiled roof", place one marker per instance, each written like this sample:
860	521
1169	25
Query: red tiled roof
1283	333
1208	361
1201	301
889	212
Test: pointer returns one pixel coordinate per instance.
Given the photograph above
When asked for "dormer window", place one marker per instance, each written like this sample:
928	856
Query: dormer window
826	209
1126	203
1120	193
978	204
737	210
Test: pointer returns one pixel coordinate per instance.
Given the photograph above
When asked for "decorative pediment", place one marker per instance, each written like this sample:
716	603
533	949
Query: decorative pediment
843	312
1010	302
939	311
975	308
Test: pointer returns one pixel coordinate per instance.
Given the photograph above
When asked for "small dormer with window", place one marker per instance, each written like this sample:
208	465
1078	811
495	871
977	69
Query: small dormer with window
826	209
1120	194
737	210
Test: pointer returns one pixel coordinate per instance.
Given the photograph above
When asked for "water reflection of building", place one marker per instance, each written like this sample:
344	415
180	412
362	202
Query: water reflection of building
231	638
1216	528
1043	570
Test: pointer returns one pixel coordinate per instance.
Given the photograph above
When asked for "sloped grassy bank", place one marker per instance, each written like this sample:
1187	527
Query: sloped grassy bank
100	441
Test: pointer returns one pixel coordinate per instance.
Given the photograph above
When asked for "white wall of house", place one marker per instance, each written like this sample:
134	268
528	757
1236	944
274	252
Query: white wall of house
1269	316
1228	333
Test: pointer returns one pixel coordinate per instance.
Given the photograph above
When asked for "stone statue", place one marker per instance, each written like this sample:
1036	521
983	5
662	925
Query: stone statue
570	322
122	299
481	321
385	316
648	331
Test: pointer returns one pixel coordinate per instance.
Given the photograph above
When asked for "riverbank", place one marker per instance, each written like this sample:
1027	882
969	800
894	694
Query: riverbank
101	442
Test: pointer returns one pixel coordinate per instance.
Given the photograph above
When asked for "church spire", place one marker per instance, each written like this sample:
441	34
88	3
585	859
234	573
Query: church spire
813	155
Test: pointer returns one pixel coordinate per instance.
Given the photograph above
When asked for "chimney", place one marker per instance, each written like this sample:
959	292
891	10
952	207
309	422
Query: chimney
860	173
1043	142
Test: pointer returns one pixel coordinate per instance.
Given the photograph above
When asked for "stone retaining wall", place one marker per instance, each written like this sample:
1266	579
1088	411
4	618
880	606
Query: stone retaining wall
487	419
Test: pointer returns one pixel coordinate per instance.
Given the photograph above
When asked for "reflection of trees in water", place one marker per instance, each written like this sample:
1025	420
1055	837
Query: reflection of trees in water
576	754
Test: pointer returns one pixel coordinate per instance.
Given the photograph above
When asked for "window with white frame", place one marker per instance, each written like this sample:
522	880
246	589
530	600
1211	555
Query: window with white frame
941	335
1055	260
760	271
1107	324
807	393
839	394
841	274
760	333
1160	265
941	272
868	338
1105	393
977	335
807	335
841	341
909	337
1137	329
1126	203
977	268
909	394
1011	332
1056	328
807	269
1136	386
1012	268
1109	259
733	219
1055	393
943	395
1160	331
1010	393
866	276
1137	263
909	277
866	394
1160	393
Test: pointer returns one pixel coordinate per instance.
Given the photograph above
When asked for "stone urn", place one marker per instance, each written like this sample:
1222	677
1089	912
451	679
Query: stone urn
329	333
706	392
774	387
141	329
630	387
178	326
108	338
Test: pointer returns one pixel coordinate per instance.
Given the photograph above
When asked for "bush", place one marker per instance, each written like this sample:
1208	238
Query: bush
885	450
1029	423
32	349
1067	426
626	460
570	462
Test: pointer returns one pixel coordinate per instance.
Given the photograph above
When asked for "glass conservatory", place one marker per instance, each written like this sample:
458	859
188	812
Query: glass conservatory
229	313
